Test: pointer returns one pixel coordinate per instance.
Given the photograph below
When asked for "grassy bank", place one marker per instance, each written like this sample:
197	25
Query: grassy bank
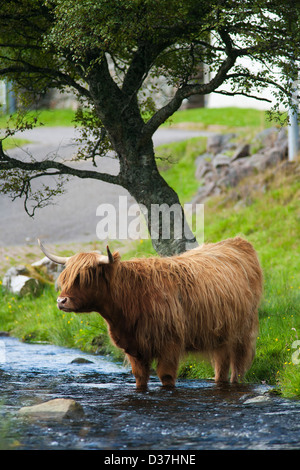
265	210
228	118
38	319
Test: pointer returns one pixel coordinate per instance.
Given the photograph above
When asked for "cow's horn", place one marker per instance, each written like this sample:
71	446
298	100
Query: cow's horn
54	258
110	256
102	259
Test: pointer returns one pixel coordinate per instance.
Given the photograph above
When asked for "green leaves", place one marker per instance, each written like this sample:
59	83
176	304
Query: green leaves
20	183
119	55
94	140
57	43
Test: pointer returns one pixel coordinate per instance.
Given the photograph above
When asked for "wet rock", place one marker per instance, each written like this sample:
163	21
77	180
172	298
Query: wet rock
81	360
58	408
257	400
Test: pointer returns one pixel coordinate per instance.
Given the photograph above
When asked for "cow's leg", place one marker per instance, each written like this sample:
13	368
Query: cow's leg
243	351
242	355
167	365
141	371
221	361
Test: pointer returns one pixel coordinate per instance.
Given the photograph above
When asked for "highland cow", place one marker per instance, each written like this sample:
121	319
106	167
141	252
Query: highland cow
204	300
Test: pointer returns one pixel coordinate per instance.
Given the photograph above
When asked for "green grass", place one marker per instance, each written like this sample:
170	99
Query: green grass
177	163
38	319
12	142
46	117
227	117
270	219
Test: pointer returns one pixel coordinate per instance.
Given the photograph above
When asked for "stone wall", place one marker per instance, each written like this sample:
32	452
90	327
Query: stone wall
226	162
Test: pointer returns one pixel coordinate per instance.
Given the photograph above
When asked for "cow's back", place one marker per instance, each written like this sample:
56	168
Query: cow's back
197	298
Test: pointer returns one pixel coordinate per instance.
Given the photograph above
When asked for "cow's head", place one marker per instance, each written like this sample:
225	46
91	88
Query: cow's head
84	282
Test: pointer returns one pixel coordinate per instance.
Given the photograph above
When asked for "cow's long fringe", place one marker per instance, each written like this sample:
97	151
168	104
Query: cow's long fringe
199	300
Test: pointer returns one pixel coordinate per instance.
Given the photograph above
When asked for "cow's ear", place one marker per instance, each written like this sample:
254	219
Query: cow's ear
110	256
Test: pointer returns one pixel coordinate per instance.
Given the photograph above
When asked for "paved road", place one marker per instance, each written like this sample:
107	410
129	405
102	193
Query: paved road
73	217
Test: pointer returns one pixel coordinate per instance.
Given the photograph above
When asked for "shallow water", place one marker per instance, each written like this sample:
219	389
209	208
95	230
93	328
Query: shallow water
197	415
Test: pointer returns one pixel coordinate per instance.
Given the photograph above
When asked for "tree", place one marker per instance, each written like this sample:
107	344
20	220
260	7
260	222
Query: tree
106	49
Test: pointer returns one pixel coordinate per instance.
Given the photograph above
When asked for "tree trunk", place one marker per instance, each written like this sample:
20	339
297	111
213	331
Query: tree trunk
159	203
165	218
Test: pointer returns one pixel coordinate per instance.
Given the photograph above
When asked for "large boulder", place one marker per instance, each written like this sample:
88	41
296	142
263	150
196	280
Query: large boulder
30	279
18	282
268	159
58	408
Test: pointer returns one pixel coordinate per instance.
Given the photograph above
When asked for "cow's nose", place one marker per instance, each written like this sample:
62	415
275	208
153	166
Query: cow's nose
61	300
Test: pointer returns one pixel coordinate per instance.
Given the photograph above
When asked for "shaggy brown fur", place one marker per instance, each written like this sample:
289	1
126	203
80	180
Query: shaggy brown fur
204	300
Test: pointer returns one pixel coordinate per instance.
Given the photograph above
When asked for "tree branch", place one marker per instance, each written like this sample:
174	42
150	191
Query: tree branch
42	197
10	163
257	79
140	65
228	93
104	91
56	75
186	91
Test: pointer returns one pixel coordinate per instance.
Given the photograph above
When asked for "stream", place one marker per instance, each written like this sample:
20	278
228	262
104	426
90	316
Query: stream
196	415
